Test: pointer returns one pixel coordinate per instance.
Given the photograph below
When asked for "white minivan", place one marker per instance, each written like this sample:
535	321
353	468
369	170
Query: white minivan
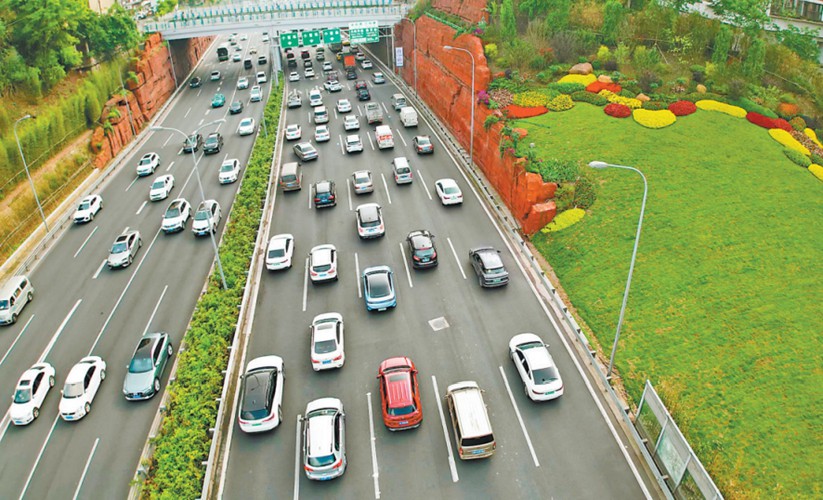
384	137
398	101
14	295
321	115
408	116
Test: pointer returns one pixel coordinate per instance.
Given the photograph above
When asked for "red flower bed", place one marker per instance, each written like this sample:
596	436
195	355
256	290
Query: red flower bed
515	111
781	123
682	108
761	120
618	110
596	87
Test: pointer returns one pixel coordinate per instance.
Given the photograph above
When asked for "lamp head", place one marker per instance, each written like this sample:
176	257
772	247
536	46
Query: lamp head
598	164
447	47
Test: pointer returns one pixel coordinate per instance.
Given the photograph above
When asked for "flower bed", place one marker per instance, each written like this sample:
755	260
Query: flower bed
502	97
566	87
529	99
617	110
811	135
682	108
816	170
560	103
712	105
654	118
564	220
583	96
760	120
596	86
619	99
786	139
807	142
581	79
515	111
781	123
797	158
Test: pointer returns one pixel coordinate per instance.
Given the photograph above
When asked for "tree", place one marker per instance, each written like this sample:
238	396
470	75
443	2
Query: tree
722	44
557	16
750	15
801	40
755	60
507	20
612	20
108	34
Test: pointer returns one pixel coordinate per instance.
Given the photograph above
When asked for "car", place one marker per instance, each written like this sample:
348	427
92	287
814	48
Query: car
363	95
215	76
307	64
265	39
537	370
192	143
448	191
261	394
421	249
218	100
82	384
488	266
305	54
315	98
360	56
362	181
320	56
321	133
378	288
323	263
238	48
147	365
148	164
321	115
279	252
236	107
351	122
88	208
213	144
124	249
401	170
206	218
236	57
294	76
161	187
309	73
256	95
177	215
262	59
365	64
229	171
369	217
327	342
354	144
399	394
293	132
423	144
244	37
232	41
327	66
246	127
325	194
351	74
253	50
378	78
30	393
261	77
360	84
195	82
324	439
333	86
343	106
242	83
295	101
305	151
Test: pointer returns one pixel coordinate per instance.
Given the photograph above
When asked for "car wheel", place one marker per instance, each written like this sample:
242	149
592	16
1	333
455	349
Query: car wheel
14	318
480	281
169	350
156	385
35	413
29	297
101	206
91	217
130	259
279	413
140	243
87	407
51	381
102	375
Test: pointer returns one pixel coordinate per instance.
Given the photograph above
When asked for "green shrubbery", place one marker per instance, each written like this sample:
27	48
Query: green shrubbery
797	157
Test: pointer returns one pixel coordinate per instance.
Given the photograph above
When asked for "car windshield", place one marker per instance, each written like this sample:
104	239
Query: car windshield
245	123
403	410
227	167
451	190
4	304
202	215
192	139
379	285
145	161
321	461
158	185
546	375
325	346
211	140
22	395
85	205
361	179
403	170
256	395
119	247
140	363
74	390
172	212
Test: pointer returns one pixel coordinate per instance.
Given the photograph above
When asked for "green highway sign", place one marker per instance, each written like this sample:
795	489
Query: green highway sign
311	37
331	36
364	32
288	40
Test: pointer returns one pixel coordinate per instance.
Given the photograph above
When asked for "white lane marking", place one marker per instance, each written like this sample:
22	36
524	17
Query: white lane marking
99	269
375	472
456	258
169	167
423	183
201	90
180	151
86	241
16	339
406	264
202	120
371	143
156	306
360	110
384	107
452	465
308	115
342	149
357	277
132	183
297	447
386	185
141	207
188	111
86	469
401	137
348	192
305	284
519	417
309	193
39	456
170	136
335	114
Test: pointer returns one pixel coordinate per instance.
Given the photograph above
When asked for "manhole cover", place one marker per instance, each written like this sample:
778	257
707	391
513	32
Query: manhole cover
438	324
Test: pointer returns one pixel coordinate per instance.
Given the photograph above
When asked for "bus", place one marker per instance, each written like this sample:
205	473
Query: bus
223	52
335	47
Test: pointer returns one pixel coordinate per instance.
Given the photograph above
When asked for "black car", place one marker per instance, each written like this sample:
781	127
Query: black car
489	267
214	143
324	194
262	60
236	107
421	249
195	82
193	143
363	95
247	64
351	75
291	63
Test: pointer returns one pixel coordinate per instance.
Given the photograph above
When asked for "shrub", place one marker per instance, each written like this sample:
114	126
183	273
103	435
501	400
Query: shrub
682	108
564	220
722	44
788	141
697	96
515	112
817	159
580	79
712	105
510	84
603	53
654	119
596	99
816	170
755	61
737	88
559	170
529	98
655	105
564	196
787	110
560	103
490	50
645	59
788	98
648	81
613	14
566	87
617	99
798	123
797	157
760	120
490	121
610	65
502	97
584	192
750	105
698	73
567	45
597	86
782	124
617	110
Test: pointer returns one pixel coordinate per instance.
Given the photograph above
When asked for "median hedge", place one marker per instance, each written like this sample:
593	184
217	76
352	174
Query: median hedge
182	444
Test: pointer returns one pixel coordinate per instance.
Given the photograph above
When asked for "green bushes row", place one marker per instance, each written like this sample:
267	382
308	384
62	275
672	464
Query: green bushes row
183	442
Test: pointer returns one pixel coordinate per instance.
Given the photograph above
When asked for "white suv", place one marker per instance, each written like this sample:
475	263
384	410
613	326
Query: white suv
261	77
148	164
324	439
323	263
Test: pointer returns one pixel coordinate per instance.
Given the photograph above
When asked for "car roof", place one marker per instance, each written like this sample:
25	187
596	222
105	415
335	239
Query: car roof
78	371
489	256
321	254
369	212
420	240
176	203
323	185
279	240
398	388
353	138
447	182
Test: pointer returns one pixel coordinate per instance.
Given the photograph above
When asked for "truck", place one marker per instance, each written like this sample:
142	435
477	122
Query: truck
408	116
373	113
383	136
349	61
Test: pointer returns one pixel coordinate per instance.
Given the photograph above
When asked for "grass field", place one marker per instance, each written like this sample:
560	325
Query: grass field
724	315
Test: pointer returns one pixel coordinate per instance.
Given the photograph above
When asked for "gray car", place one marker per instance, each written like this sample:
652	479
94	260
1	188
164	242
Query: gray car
489	267
124	249
305	151
146	366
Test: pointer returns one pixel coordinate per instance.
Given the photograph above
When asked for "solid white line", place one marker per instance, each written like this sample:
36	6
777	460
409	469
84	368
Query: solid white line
172	135
423	183
132	183
401	137
452	465
187	112
360	110
156	306
16	339
309	193
297	447
305	284
99	269
375	473
39	456
141	207
519	418
335	114
86	241
348	192
357	277
455	258
406	264
169	167
86	469
386	185
58	332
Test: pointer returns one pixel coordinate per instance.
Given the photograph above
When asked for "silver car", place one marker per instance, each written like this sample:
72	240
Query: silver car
124	249
362	181
324	439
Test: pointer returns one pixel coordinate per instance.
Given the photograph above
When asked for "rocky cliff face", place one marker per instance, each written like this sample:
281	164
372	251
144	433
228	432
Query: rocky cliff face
470	10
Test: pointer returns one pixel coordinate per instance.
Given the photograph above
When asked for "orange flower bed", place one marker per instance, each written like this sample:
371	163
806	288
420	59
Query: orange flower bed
515	111
596	87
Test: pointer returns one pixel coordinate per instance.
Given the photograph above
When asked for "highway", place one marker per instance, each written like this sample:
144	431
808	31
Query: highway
559	449
81	307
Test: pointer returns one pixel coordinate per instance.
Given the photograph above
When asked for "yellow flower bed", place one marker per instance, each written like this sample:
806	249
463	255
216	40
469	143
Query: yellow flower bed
712	105
810	133
563	220
786	139
560	103
817	170
654	118
619	99
529	99
582	79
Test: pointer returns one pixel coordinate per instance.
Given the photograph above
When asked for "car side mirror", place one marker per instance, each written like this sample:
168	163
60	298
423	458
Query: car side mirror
61	392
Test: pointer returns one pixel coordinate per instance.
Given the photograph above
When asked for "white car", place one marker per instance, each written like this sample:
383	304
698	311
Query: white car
323	263
294	76
244	37
362	182
261	394
88	208
255	95
242	83
354	144
449	192
324	439
148	164
309	72
236	57
161	187
246	127
315	98
215	76
327	66
370	221
81	386
265	39
31	391
378	78
351	123
321	133
177	215
261	77
343	106
366	64
293	132
327	350
253	50
333	86
531	357
280	252
229	171
206	218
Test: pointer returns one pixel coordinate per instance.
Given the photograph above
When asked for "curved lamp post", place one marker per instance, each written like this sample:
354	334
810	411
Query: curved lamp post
26	167
471	132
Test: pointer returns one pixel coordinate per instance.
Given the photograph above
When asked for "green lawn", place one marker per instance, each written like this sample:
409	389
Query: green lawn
724	315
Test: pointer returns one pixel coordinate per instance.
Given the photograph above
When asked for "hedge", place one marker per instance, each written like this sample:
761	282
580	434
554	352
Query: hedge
797	157
183	442
682	108
581	79
816	170
596	99
712	105
617	110
654	118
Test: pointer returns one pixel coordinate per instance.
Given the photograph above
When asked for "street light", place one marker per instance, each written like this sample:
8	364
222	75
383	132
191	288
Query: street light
200	182
26	167
600	165
471	132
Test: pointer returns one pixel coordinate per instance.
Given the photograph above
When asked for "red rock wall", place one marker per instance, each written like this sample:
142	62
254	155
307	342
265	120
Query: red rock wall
444	83
472	11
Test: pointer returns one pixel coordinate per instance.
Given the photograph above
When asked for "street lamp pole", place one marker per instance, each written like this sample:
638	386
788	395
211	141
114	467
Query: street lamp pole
26	167
471	132
200	183
600	164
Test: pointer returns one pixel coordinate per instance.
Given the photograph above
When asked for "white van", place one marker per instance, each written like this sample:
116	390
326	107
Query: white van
384	137
321	115
15	294
398	101
408	116
470	420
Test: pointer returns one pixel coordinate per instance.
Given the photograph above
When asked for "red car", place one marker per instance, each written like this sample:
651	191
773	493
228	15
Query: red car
399	394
